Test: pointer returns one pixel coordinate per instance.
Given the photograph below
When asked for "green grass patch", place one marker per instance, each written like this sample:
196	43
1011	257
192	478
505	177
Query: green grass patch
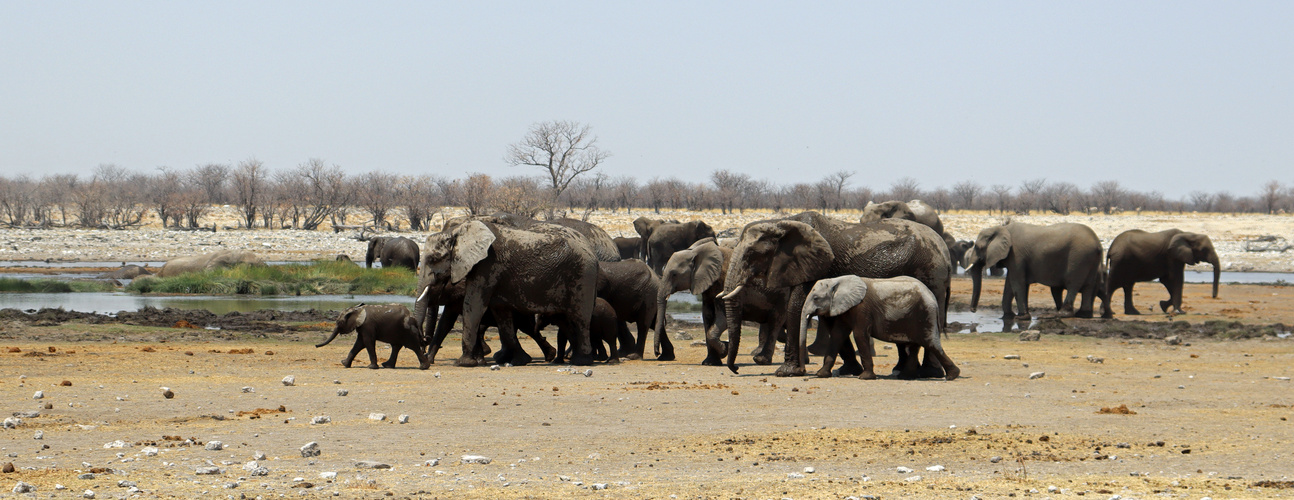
322	277
52	286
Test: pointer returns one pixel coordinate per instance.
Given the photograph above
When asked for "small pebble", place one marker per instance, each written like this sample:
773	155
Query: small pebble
207	471
588	372
475	459
1011	356
328	475
214	446
935	468
311	449
150	451
39	435
371	464
248	389
404	419
377	417
810	470
259	455
995	459
342	392
321	419
88	494
289	381
795	475
1037	375
903	470
167	393
38	395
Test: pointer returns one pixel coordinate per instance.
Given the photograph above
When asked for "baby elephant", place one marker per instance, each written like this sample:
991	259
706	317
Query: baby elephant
390	323
898	310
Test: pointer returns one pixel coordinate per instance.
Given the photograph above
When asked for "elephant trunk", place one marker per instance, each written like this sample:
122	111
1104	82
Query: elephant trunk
1217	271
662	300
804	329
335	332
732	311
424	313
977	278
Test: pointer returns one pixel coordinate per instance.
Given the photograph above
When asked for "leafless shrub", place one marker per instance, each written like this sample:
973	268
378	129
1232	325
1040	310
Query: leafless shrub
476	193
376	193
249	185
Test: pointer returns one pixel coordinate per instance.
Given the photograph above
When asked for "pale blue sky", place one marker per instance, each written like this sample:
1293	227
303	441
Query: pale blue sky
1173	96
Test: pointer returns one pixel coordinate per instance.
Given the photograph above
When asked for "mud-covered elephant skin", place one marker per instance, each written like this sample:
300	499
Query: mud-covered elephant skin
629	248
795	252
213	260
548	269
631	289
390	323
398	251
598	240
701	269
1065	257
605	329
1138	255
915	210
899	310
662	238
451	297
127	272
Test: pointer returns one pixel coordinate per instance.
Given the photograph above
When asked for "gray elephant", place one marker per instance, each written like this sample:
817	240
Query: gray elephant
796	252
629	248
914	210
390	323
604	328
214	260
630	289
548	269
398	251
899	310
1137	255
701	269
662	238
451	297
127	272
1065	257
598	240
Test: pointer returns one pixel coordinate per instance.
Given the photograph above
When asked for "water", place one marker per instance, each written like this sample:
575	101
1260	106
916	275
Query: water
120	301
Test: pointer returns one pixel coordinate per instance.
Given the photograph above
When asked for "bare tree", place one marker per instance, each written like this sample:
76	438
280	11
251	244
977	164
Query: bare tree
121	195
1106	195
833	189
58	191
1001	196
728	188
905	189
656	194
421	198
941	199
476	193
519	195
212	178
194	198
625	193
1059	197
1271	195
16	199
1029	196
965	193
164	194
561	149
376	192
249	185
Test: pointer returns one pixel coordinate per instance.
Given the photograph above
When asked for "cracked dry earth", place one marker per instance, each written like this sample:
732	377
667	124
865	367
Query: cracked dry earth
1211	418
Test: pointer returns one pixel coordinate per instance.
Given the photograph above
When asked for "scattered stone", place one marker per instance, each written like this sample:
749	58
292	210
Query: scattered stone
27	414
935	468
321	419
588	372
39	435
437	374
88	494
1094	359
682	335
50	406
7	468
342	392
22	487
87	476
794	475
150	451
38	395
494	368
126	484
248	389
995	459
912	479
260	471
207	471
377	417
475	459
117	444
371	464
431	463
1037	375
1029	336
289	381
214	446
59	487
311	449
167	393
12	423
328	475
903	470
1011	356
1117	410
1173	340
230	486
598	486
404	419
810	470
253	465
259	455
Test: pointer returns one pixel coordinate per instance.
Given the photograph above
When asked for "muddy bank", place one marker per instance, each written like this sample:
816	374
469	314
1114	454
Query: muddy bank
186	322
1159	330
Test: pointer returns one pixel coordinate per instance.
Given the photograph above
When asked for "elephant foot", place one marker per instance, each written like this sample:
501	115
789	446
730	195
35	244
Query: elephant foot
550	353
613	360
633	356
851	369
424	365
466	362
906	375
712	360
823	372
1107	314
581	360
1083	313
666	355
373	366
388	364
1131	311
867	375
345	363
952	372
789	370
521	358
763	359
933	371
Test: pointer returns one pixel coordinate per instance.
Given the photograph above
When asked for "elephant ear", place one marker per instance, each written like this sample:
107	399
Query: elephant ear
472	242
871	213
1181	248
802	255
846	292
644	227
360	317
708	265
703	230
702	242
999	246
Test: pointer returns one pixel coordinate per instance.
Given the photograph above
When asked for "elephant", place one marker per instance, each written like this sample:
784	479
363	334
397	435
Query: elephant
630	248
214	260
341	257
899	310
127	272
914	210
451	297
603	246
630	289
701	269
390	323
398	251
962	257
548	269
604	327
662	238
795	252
1065	257
1138	255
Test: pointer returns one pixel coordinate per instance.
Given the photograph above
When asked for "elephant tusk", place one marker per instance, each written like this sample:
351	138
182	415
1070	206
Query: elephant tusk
733	293
423	295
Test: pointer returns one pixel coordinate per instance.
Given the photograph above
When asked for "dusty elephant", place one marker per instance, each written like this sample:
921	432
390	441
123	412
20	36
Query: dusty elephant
604	248
398	251
899	310
127	272
214	260
390	323
604	328
629	248
436	327
662	238
630	289
1065	257
1137	255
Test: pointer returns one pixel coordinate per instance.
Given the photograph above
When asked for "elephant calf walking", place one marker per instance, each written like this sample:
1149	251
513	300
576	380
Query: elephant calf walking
391	323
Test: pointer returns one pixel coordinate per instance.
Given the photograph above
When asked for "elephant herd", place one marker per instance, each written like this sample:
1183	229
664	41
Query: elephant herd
887	277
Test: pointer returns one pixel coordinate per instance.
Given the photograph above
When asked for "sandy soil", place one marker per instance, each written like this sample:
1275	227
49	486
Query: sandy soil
1206	418
151	243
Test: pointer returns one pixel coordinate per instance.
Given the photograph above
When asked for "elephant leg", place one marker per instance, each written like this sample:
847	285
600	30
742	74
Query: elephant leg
474	301
528	327
511	352
615	343
370	344
562	337
763	354
1020	287
825	327
1128	307
1057	294
1085	309
443	326
1067	308
581	341
911	367
848	357
791	366
864	340
395	351
931	365
1173	283
629	347
715	349
354	351
416	338
901	351
951	371
1008	295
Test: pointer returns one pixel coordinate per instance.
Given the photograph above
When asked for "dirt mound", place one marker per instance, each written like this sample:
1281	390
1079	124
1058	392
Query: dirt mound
1136	329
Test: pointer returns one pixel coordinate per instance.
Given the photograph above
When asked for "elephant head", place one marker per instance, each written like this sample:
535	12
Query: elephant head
645	227
696	268
991	248
1194	248
829	297
347	322
892	209
449	257
375	246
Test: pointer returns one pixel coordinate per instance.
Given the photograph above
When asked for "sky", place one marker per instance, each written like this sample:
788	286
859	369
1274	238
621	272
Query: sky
1167	96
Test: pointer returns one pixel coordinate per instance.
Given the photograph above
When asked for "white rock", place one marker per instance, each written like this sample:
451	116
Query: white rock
126	484
404	419
150	451
371	464
38	395
1011	356
588	372
259	455
328	475
1052	489
88	494
116	444
311	449
1095	359
207	471
59	487
321	419
431	463
214	446
794	475
12	422
1037	375
22	487
475	459
935	468
248	389
598	486
903	470
912	479
378	417
810	470
494	368
289	381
